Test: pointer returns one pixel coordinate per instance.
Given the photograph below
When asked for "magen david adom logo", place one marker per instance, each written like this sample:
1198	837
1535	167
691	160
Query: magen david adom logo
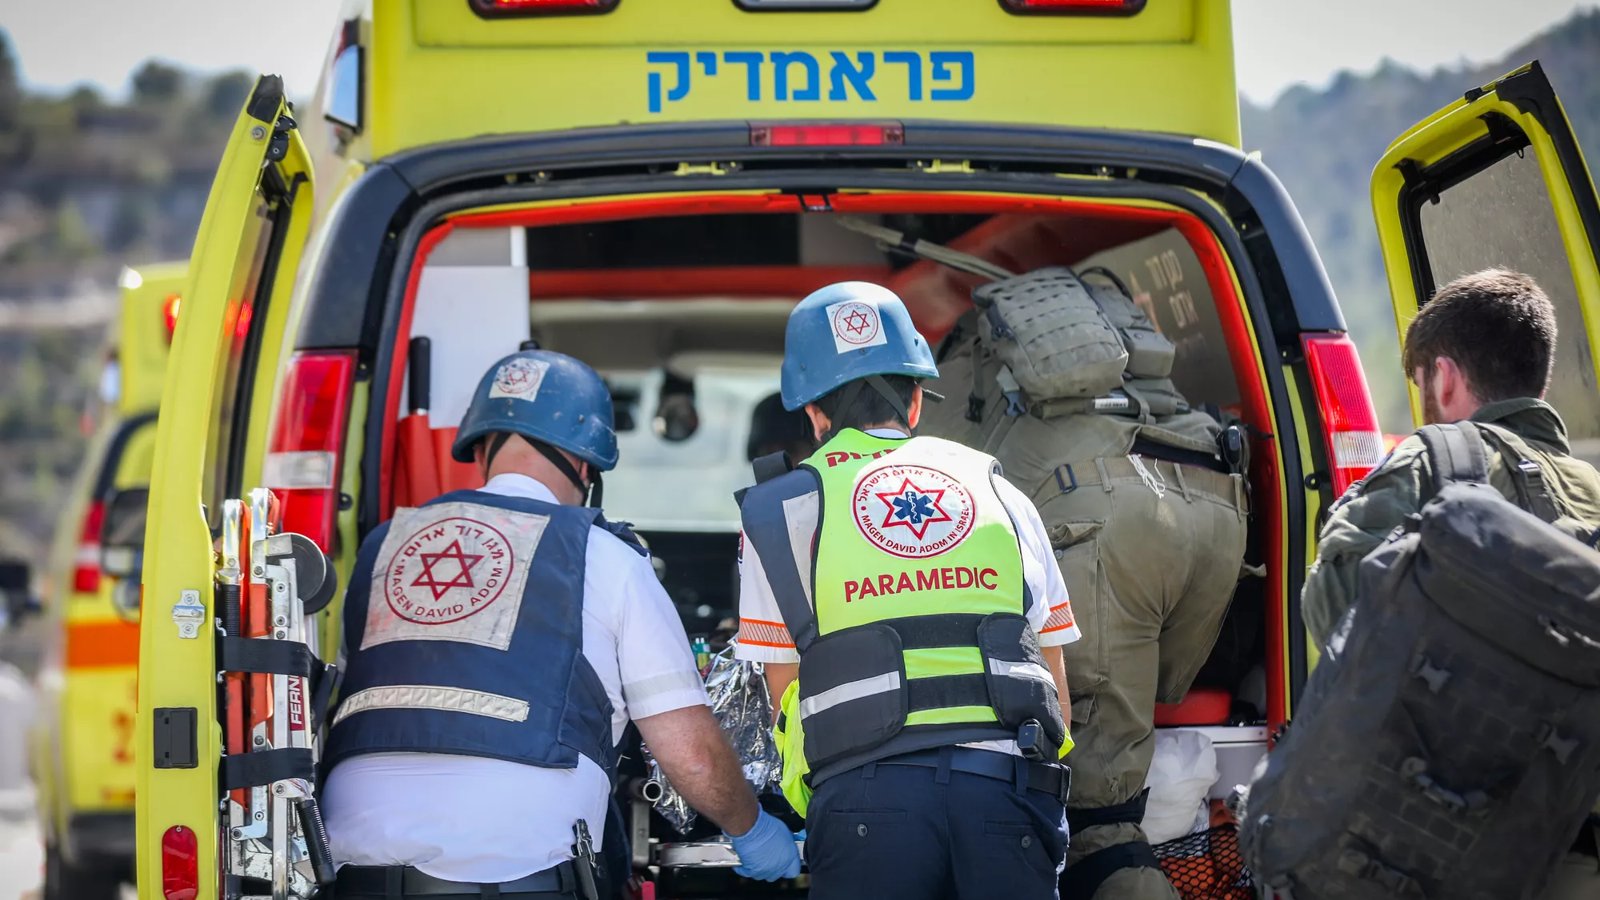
447	571
912	511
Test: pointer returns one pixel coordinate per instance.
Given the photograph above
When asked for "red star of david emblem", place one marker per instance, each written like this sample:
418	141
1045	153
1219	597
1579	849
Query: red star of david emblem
857	322
913	508
461	579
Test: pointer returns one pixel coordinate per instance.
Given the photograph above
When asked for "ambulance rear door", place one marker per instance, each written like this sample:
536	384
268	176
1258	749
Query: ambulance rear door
1497	179
211	436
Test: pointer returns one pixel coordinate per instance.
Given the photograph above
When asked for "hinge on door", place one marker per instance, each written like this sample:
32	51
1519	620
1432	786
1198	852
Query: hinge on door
944	167
278	146
710	168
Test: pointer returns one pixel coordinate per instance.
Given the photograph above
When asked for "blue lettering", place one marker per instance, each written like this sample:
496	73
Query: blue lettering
941	76
680	86
942	60
858	77
781	62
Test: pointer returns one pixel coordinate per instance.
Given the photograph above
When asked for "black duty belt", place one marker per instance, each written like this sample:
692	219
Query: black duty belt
1055	780
398	882
1177	455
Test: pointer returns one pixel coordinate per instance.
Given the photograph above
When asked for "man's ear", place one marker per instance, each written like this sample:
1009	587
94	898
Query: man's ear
820	423
914	411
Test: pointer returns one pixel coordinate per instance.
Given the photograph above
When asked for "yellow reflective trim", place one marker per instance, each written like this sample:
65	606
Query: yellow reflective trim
952	715
934	661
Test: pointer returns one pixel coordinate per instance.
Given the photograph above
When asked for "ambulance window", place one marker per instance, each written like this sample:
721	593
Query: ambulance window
246	309
1502	216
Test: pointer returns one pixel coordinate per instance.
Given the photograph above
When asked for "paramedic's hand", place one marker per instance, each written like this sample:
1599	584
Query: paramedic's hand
767	850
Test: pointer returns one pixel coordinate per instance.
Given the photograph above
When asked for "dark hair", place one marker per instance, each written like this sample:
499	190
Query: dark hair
869	407
1497	325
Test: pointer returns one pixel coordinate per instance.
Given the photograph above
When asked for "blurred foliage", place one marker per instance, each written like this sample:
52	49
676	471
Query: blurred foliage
1322	143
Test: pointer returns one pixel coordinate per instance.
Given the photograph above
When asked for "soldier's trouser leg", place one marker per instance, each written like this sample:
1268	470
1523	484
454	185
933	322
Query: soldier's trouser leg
1150	577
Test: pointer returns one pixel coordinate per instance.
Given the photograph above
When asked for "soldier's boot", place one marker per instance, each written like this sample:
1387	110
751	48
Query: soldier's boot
1112	862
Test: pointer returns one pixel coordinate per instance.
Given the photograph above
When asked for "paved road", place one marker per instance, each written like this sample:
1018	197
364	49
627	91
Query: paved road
21	856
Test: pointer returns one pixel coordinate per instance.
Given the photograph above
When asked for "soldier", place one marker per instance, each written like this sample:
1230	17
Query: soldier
1481	351
1147	521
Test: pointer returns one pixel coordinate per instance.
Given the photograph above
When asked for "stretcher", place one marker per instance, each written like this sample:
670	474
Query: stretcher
270	586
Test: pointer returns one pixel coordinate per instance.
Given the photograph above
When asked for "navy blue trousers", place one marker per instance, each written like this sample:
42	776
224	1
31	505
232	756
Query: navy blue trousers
883	832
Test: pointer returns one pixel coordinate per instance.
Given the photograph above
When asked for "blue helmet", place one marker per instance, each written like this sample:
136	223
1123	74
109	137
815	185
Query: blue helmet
847	331
548	397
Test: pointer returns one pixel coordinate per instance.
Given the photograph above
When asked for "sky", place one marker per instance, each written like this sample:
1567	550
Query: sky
1279	42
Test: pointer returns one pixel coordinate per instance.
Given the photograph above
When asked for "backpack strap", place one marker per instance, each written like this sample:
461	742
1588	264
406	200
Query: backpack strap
1533	493
771	466
766	526
1456	454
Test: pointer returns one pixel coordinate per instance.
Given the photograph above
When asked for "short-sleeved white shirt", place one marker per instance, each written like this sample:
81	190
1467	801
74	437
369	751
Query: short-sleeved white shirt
470	818
764	638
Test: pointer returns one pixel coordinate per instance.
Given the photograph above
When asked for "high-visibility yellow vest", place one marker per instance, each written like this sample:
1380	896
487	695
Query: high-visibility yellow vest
917	637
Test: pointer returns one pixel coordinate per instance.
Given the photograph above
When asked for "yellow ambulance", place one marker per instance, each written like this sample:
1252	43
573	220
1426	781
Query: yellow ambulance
650	185
83	740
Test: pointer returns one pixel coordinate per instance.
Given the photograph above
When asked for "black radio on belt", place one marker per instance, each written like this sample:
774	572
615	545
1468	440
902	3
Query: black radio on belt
1030	740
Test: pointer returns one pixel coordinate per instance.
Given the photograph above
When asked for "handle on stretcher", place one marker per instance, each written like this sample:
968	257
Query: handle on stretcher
317	846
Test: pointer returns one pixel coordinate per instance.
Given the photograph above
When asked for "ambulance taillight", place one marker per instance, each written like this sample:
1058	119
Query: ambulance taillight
1354	442
505	9
169	314
826	134
180	864
86	559
302	464
1074	7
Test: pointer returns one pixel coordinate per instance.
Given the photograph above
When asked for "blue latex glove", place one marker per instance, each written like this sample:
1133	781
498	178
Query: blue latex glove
766	851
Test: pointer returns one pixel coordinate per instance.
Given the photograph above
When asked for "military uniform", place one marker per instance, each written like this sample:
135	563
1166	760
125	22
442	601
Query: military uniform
1150	548
1520	429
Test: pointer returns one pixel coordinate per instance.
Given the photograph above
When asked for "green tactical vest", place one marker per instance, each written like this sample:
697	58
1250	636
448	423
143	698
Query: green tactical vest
917	637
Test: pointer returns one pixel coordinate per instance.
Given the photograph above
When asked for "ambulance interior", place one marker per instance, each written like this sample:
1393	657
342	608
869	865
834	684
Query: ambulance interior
683	313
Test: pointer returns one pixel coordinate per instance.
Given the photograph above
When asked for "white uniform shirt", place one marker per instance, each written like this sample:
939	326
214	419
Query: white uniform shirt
471	818
764	638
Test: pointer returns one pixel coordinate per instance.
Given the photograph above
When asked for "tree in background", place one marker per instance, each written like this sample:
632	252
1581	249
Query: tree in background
156	82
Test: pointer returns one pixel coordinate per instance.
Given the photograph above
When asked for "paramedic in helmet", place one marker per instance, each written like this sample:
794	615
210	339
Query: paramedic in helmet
498	642
898	590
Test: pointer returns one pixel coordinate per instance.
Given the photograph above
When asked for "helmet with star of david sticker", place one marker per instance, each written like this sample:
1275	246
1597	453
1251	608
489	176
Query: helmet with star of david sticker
545	396
848	331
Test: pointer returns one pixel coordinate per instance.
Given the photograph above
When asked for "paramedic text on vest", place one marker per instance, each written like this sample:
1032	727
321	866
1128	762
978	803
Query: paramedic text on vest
898	589
1481	352
498	641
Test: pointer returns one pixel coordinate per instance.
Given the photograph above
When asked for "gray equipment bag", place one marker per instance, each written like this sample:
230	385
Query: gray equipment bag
1049	331
1448	744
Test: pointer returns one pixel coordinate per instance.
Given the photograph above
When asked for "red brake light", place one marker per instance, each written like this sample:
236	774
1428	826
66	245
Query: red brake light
180	864
1354	443
302	464
504	9
86	561
169	313
827	135
1075	7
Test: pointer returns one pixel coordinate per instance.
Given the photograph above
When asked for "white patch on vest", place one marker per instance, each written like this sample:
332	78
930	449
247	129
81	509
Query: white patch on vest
1021	670
856	324
452	572
518	379
427	696
913	512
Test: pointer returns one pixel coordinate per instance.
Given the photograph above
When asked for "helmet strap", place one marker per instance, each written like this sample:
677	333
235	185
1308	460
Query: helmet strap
852	393
590	491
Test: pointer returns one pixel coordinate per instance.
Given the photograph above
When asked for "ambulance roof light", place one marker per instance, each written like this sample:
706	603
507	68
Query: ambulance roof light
1073	7
507	9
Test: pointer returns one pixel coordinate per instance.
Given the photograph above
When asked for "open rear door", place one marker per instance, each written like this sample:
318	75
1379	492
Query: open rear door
1496	179
225	353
